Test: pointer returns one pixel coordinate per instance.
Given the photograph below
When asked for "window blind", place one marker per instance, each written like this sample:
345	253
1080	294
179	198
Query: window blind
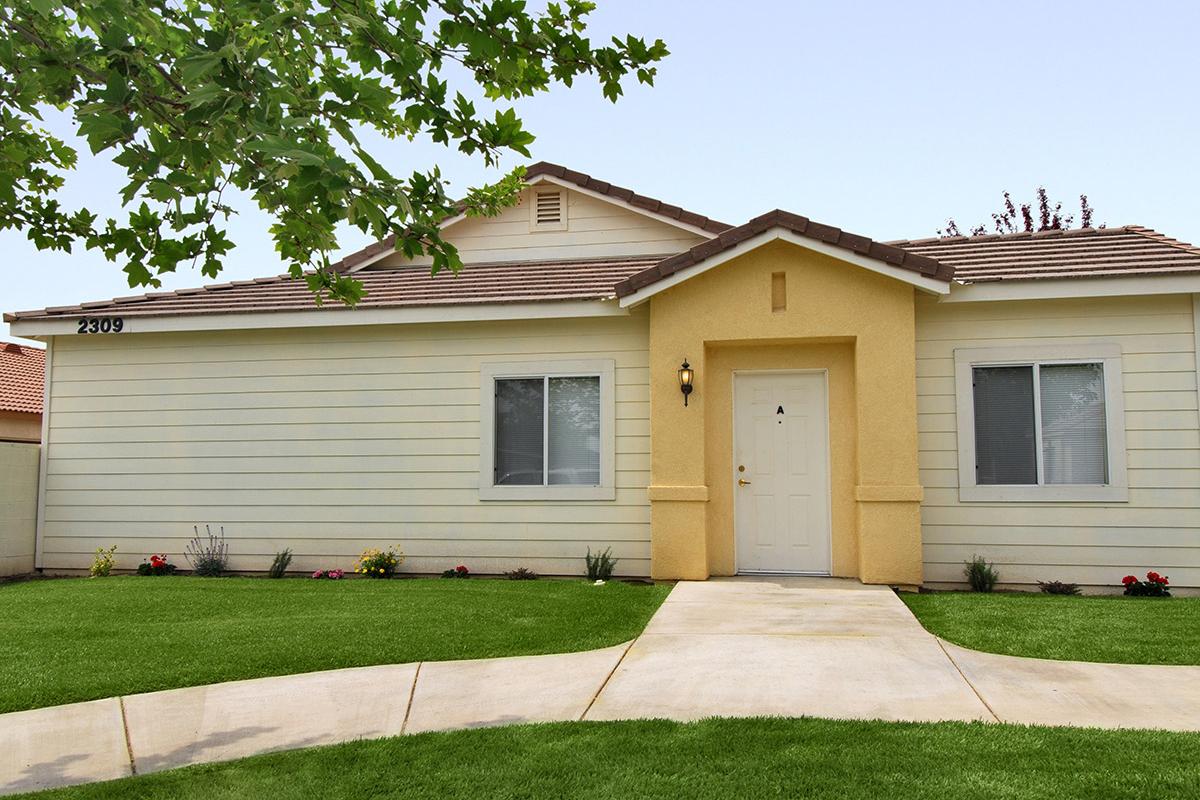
1074	438
1004	426
520	404
573	431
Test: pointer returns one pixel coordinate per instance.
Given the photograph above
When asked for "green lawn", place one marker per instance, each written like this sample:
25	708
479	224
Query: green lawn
62	641
1123	630
806	758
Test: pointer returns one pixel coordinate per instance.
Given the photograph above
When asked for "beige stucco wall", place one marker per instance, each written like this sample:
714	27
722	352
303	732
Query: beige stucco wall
723	320
1088	543
328	441
18	506
20	426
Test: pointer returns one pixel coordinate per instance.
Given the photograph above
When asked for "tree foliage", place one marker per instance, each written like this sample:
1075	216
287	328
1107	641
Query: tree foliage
273	97
1013	219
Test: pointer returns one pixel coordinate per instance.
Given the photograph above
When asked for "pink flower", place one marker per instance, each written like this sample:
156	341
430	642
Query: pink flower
319	573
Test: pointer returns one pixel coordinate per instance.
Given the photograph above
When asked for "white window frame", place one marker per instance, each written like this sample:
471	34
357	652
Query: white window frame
1104	353
490	372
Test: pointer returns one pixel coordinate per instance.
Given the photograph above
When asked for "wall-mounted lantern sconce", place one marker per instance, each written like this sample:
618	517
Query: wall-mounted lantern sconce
686	374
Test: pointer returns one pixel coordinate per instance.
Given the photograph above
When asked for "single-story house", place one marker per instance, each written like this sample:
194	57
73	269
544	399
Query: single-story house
610	370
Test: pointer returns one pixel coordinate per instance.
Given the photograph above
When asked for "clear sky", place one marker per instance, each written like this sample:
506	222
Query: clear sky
880	118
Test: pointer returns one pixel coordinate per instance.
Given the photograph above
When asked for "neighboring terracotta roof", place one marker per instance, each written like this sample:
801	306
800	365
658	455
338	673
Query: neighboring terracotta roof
625	195
22	372
801	226
1083	253
589	279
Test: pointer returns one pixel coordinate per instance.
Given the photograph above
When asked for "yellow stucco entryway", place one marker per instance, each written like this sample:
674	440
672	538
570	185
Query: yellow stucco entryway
785	307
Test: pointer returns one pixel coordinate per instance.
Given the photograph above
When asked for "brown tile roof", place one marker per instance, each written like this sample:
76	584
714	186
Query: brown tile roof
1083	253
589	279
22	371
626	195
801	226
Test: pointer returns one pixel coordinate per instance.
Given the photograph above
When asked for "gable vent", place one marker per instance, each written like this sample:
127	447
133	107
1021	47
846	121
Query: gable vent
548	208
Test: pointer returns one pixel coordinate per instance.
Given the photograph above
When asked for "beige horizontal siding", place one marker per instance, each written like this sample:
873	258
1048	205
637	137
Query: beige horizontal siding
1088	543
595	228
327	441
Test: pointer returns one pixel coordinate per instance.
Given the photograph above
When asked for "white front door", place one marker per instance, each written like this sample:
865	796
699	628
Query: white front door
781	472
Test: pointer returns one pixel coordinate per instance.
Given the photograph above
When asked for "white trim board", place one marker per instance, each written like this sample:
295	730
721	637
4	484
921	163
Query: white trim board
925	284
328	317
43	456
1062	288
1196	337
1107	353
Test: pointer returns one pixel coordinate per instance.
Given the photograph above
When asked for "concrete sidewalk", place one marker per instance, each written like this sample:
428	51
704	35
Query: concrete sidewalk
777	647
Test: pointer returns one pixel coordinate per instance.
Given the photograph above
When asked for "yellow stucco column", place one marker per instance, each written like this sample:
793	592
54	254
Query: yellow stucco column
678	493
888	493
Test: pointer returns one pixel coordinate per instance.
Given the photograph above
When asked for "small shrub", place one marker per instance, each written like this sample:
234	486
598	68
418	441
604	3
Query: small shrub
458	572
1058	587
157	564
331	574
1155	585
521	574
208	557
981	575
600	566
102	564
280	564
376	563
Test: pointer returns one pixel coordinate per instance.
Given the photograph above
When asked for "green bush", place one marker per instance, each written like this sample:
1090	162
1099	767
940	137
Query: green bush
208	557
102	564
279	566
600	566
1155	585
1058	587
376	563
157	564
981	575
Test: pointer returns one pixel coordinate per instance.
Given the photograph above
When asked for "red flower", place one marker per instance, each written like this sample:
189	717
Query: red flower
460	569
1152	576
1128	579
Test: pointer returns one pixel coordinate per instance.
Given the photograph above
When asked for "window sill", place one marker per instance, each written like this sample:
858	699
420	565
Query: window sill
1058	493
551	493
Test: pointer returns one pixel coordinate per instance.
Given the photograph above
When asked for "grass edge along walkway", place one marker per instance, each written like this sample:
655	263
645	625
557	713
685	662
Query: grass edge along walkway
1098	628
716	758
71	640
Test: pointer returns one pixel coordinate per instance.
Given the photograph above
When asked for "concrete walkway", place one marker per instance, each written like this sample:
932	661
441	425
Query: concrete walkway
791	647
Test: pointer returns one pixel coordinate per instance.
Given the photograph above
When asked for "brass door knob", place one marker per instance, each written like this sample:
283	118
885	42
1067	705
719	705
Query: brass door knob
743	482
